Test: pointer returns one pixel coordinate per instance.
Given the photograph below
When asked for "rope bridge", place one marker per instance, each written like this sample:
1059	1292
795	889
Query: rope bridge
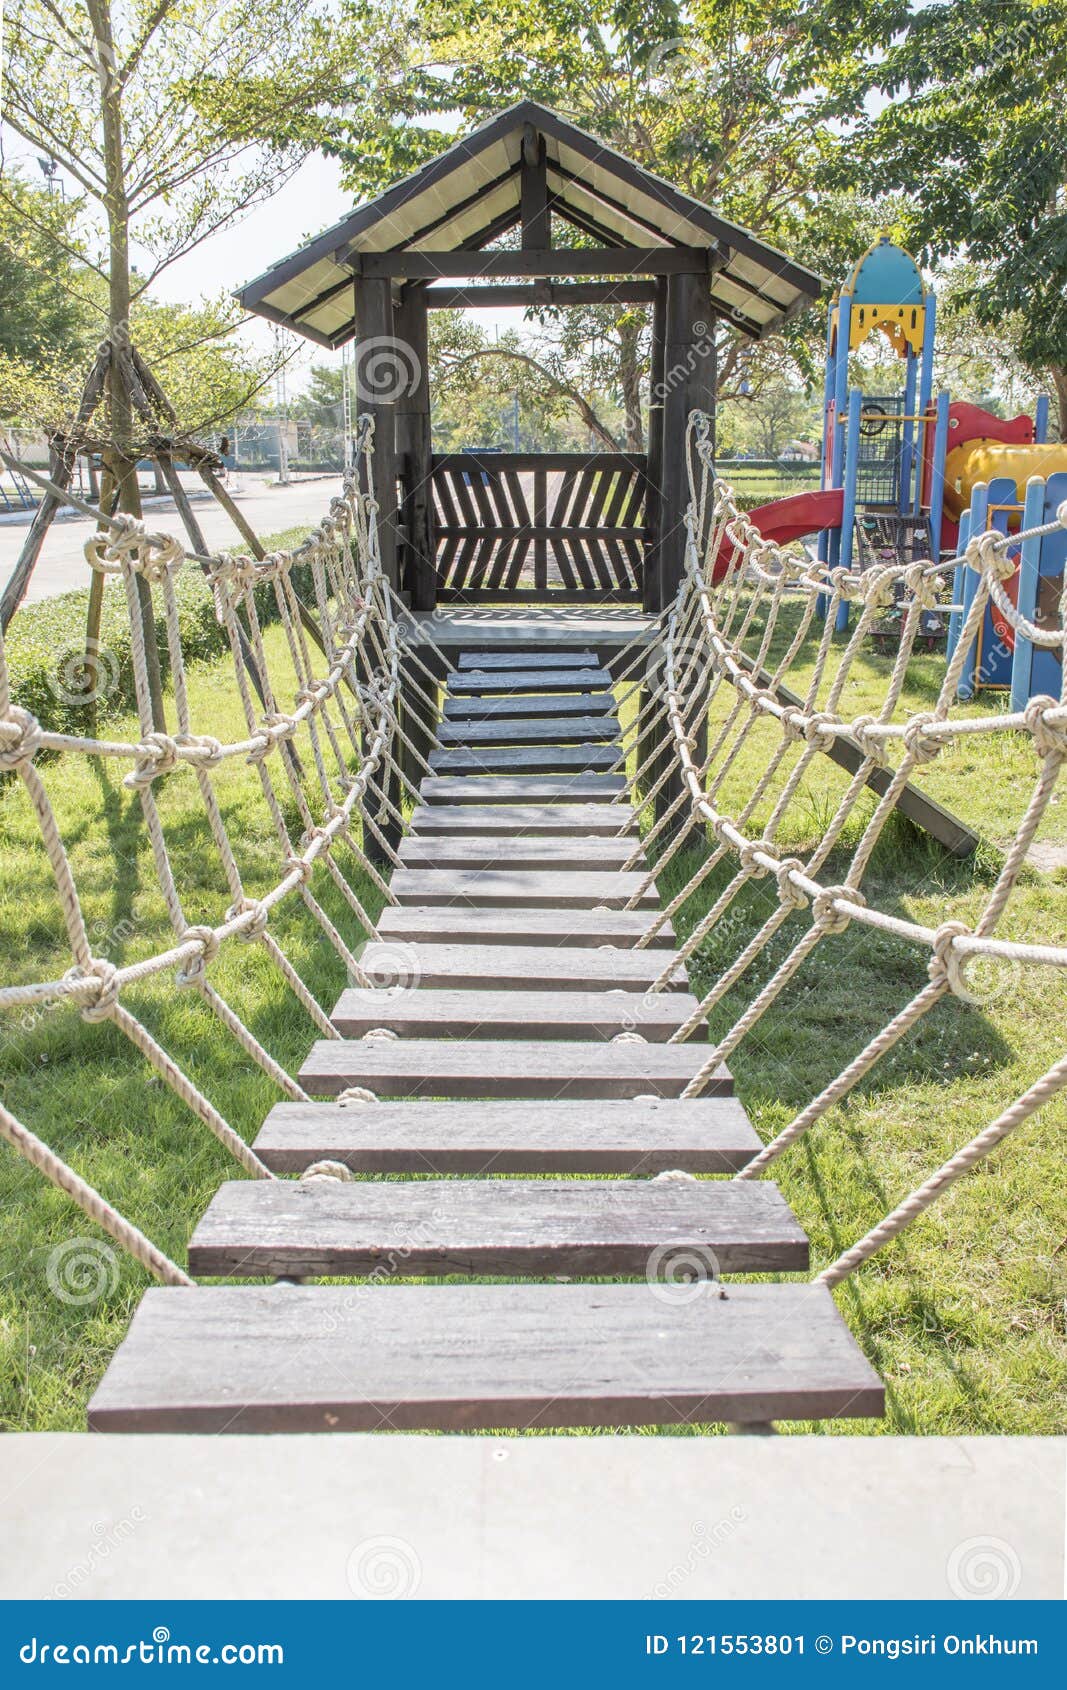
529	905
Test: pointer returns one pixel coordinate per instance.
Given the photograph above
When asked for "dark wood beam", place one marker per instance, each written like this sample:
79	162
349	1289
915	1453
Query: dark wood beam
601	261
536	217
623	292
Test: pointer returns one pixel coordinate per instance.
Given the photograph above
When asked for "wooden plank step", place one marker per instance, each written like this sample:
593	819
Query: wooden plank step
511	851
530	704
482	681
459	1013
307	1229
300	1358
525	820
463	924
504	760
506	1068
520	789
516	730
518	968
645	1136
544	657
517	888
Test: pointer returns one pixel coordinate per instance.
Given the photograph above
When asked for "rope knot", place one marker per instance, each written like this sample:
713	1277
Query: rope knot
157	755
303	866
748	854
260	914
356	1094
105	976
819	728
21	735
326	1170
832	920
988	555
1050	738
787	892
793	723
945	966
871	746
924	589
918	742
209	942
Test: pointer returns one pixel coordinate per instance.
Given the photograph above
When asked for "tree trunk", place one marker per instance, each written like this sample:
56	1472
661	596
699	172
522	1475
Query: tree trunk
1058	373
123	462
630	379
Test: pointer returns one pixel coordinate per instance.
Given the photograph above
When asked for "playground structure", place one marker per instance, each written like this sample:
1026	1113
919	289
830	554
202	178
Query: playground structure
902	471
523	1003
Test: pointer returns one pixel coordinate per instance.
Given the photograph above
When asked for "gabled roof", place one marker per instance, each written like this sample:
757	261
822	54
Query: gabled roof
470	194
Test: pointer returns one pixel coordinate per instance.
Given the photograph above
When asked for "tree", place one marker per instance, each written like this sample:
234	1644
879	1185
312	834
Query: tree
975	138
728	98
42	315
107	91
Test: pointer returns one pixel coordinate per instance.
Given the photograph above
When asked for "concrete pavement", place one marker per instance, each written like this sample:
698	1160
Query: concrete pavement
270	510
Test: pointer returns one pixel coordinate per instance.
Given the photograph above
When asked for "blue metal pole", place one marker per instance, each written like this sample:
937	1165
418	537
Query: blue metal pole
848	506
1029	571
906	499
937	474
955	620
1041	420
977	525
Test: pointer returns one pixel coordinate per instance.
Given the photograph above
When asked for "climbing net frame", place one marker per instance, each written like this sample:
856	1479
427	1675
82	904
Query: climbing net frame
714	643
345	719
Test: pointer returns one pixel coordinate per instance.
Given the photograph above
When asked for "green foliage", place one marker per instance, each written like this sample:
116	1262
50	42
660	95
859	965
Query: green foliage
974	136
45	646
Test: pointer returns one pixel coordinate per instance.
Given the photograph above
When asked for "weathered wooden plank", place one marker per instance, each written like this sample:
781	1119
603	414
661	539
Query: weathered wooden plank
527	680
464	924
509	851
518	889
519	760
541	657
530	704
297	1358
518	730
643	1137
520	789
506	1068
519	968
323	1228
455	1012
522	821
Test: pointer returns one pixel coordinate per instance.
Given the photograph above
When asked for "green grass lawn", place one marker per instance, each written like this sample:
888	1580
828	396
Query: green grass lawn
964	1317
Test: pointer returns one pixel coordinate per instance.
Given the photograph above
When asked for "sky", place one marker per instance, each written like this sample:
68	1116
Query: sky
309	202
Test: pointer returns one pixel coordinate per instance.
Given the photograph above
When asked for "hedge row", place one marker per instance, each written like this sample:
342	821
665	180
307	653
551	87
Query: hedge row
45	647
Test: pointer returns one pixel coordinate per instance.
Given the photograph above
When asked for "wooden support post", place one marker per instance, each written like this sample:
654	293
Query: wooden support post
656	391
374	322
414	448
689	385
536	216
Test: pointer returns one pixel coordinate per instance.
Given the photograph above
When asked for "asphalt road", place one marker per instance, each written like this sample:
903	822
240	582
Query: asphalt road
270	510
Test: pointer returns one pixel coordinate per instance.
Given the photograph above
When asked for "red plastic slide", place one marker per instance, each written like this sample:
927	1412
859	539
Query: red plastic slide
789	519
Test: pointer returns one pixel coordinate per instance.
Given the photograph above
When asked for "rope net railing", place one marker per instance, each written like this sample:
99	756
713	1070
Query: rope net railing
334	762
745	610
